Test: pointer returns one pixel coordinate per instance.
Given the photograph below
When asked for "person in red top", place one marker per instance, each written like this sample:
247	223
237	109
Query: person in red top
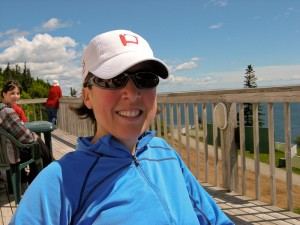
52	103
20	112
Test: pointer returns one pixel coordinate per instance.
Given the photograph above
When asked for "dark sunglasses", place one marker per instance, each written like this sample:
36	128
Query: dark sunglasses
141	80
11	83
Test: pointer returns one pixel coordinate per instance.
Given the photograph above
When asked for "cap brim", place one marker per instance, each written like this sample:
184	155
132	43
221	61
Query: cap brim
122	62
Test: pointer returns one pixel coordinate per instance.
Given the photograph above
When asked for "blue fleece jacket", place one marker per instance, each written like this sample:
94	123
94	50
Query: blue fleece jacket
103	183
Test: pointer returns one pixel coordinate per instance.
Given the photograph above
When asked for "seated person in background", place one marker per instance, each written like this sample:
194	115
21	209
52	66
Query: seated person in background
11	122
15	97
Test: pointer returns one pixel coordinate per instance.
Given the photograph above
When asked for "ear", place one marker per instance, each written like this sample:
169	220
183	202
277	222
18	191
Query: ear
86	97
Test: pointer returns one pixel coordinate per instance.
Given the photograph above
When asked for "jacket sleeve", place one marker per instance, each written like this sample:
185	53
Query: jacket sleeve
15	126
44	201
204	205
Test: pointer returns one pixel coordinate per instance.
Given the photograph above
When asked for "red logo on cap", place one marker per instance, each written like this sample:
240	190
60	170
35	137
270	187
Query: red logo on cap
128	38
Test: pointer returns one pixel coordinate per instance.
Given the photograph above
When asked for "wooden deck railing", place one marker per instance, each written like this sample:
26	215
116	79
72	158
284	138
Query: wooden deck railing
217	110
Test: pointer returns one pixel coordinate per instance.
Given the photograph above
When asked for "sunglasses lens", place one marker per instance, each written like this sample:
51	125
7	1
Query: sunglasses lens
114	83
146	80
11	83
120	81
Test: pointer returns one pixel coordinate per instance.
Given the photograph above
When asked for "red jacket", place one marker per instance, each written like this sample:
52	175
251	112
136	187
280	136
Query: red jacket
54	94
20	112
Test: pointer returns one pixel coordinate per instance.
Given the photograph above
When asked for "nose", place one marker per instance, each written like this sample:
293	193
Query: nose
130	90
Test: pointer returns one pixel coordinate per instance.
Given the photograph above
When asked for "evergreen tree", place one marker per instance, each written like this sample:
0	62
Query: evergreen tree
7	73
26	80
250	78
250	82
73	92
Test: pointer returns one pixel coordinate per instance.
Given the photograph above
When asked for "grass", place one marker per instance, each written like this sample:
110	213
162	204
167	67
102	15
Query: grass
264	157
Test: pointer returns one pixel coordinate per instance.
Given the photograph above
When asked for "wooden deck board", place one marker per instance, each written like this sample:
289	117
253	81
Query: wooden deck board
240	209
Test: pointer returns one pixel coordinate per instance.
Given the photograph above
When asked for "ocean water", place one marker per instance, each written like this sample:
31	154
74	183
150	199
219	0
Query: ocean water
279	121
278	118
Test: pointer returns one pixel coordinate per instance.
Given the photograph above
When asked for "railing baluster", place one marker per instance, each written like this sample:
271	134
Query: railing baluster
172	124
256	151
272	152
158	124
288	158
205	145
187	133
196	124
165	121
242	148
216	146
178	111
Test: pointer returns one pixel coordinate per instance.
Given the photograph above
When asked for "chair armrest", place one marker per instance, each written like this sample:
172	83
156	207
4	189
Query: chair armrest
15	141
34	146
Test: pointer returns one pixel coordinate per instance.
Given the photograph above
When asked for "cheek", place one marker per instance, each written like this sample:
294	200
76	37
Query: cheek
9	96
150	100
103	102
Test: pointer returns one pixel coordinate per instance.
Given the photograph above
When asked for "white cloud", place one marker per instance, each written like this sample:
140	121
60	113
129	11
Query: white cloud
181	83
196	59
13	33
48	58
42	48
54	24
219	2
186	66
216	26
9	37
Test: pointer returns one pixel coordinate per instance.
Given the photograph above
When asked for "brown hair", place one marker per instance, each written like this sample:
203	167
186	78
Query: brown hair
9	86
82	111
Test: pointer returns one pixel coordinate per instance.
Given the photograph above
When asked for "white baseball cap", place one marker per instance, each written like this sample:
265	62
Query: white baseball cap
55	83
111	53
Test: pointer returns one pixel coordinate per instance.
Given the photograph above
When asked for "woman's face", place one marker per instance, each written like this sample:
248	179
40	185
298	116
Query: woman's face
11	97
124	113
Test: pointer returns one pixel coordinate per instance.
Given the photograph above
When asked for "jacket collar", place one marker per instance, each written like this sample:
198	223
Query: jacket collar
108	146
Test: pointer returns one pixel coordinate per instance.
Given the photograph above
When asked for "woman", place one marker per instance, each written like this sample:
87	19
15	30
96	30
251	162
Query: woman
52	103
13	97
10	121
123	174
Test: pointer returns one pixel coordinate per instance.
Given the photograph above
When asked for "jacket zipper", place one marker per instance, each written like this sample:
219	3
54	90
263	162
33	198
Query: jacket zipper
167	210
136	162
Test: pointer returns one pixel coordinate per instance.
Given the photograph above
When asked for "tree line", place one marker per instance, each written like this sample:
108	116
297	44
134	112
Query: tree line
31	88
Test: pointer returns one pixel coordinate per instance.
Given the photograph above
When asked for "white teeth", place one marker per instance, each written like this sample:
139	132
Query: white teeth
129	113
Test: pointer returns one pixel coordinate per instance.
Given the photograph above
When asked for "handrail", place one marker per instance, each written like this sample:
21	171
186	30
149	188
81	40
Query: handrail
185	109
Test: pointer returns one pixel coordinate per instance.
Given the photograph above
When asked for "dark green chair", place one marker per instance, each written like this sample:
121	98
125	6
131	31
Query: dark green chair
13	171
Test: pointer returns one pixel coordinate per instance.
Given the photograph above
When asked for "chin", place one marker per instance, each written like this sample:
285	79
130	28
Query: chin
130	134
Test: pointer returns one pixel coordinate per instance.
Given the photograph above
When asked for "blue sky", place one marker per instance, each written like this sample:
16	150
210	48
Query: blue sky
207	44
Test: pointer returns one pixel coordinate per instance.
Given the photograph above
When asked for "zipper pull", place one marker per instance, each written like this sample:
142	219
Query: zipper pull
136	162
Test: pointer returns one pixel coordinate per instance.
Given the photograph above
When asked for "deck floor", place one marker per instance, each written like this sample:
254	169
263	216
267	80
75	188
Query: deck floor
241	209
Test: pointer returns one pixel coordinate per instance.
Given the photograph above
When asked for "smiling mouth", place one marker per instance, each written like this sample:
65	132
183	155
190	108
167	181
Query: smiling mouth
131	113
